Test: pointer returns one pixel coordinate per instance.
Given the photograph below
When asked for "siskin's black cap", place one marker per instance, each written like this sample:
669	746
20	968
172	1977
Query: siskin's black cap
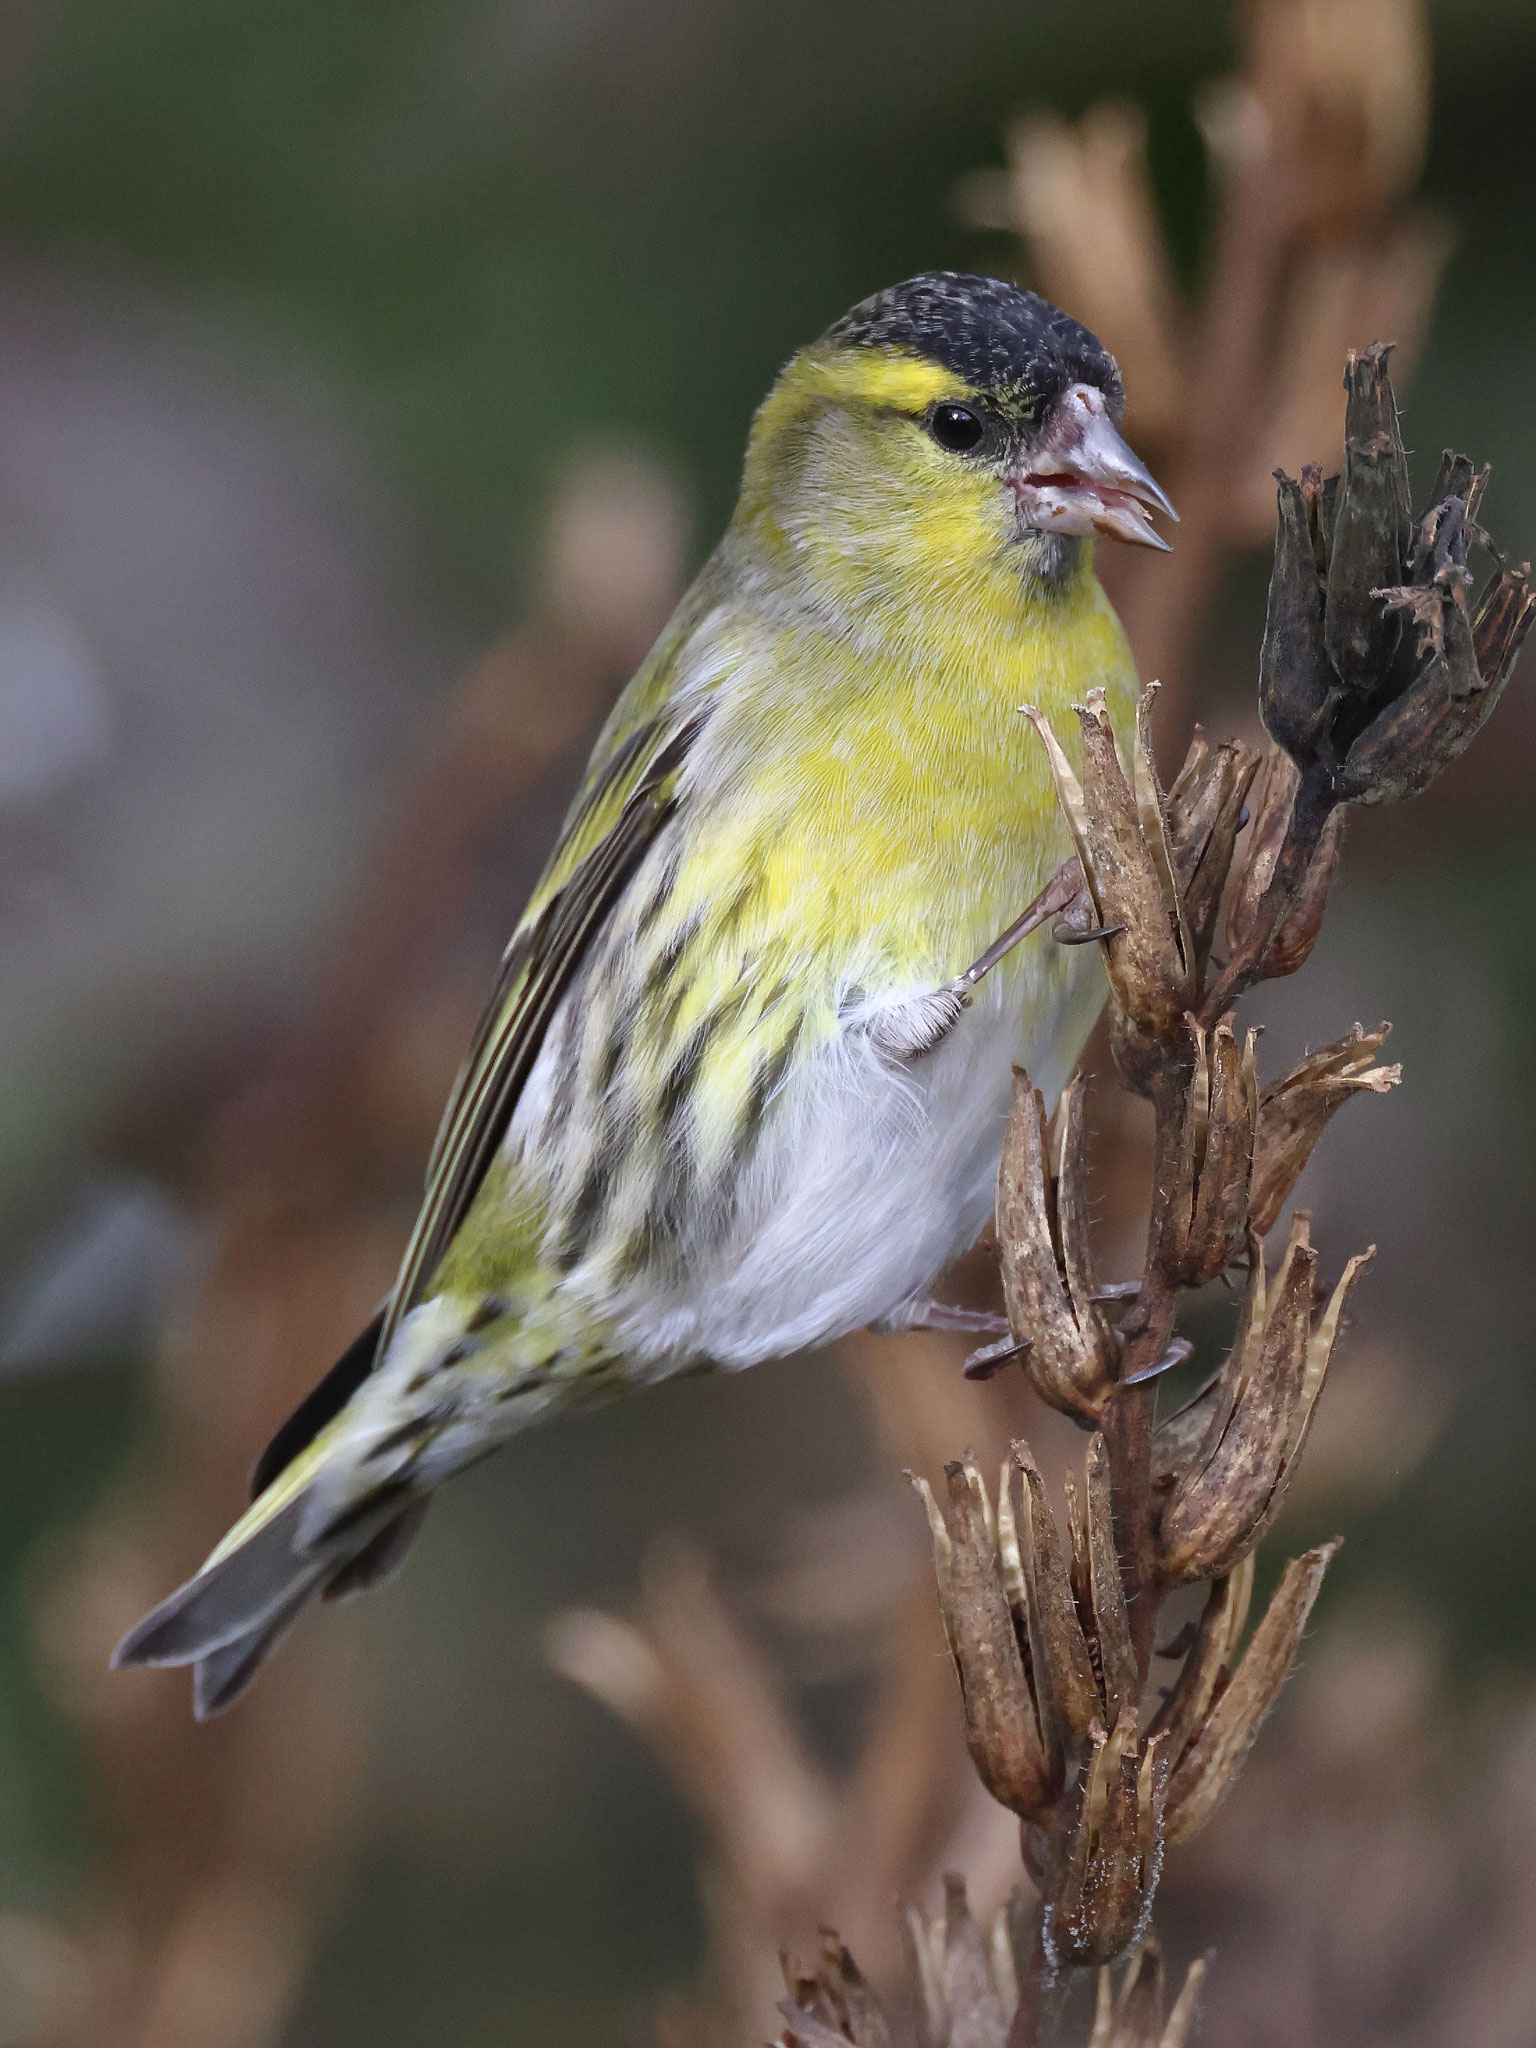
993	335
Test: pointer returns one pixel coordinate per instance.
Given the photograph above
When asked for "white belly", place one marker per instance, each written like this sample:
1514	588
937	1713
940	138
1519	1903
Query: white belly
871	1177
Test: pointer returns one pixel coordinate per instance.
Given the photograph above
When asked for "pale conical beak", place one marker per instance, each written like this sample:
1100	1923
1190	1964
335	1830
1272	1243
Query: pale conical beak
1083	478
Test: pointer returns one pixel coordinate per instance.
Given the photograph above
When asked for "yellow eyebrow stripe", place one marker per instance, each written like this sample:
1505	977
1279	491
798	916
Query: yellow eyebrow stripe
881	377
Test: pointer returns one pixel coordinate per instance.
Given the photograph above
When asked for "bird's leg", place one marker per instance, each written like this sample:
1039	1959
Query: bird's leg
924	1313
914	1027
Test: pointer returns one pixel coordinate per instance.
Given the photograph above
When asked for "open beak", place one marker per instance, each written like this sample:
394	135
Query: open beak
1082	478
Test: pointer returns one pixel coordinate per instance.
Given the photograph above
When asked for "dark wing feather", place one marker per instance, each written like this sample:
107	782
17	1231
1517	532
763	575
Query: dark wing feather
319	1406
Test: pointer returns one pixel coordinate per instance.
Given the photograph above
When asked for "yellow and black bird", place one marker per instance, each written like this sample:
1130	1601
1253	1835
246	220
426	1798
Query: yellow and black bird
736	1091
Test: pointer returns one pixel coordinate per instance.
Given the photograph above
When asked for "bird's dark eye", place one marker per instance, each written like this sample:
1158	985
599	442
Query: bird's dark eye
956	427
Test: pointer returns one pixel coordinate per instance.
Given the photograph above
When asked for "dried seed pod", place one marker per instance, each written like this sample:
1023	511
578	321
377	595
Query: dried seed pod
1118	825
1137	2014
1502	620
1135	2019
1372	527
1178	1439
1296	678
1103	1867
1446	698
1070	1351
1291	939
1065	1685
1224	1500
1421	733
1278	779
1204	1772
862	2020
805	2029
965	1983
1208	1661
1296	1109
1290	944
1201	1217
1002	1731
1119	1678
1205	813
1459	477
832	2003
1375	673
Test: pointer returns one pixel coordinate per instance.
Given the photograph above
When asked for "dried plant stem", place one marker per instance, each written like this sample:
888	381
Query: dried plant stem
1128	1438
1053	1638
1042	1997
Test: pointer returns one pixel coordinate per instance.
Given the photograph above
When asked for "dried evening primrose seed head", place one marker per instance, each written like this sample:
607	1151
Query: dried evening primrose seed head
1200	1221
1002	1730
1134	2017
1119	828
831	2003
1207	1764
1376	672
1069	1351
1104	1864
1372	527
1205	814
1232	1488
1296	1109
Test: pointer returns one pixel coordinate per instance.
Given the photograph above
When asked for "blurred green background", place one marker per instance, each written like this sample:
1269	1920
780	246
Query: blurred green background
303	308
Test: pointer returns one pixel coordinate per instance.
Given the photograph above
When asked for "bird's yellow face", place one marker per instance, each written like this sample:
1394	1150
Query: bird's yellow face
926	447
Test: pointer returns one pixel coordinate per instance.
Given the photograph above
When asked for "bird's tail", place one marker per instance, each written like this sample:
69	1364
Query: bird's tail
343	1491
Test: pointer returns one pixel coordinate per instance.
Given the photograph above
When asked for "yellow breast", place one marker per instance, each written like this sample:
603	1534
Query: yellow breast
890	804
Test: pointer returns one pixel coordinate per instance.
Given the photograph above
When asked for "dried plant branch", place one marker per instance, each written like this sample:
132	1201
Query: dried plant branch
1051	1623
1378	667
1367	713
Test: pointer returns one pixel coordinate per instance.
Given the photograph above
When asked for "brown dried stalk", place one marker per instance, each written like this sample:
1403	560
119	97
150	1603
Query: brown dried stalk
1365	711
965	1991
1051	1626
1051	1629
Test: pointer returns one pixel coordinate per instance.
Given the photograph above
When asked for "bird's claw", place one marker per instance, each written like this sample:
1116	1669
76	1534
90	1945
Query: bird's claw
1067	932
1177	1352
991	1358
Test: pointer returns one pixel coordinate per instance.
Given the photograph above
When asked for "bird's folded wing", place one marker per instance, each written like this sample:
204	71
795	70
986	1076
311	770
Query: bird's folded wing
604	841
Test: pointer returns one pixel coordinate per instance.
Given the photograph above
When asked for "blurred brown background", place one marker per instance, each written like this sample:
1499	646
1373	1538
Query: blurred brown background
371	377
